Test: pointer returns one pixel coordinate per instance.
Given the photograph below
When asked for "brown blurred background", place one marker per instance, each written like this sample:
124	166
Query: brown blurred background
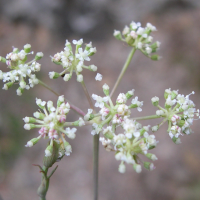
46	24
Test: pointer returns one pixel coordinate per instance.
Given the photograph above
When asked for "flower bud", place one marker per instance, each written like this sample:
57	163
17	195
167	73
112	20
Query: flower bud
22	84
155	101
67	77
151	156
130	93
53	75
117	35
174	93
19	91
40	103
176	140
61	100
154	128
39	55
149	166
122	168
92	51
92	68
68	44
29	126
39	115
155	57
108	134
68	148
137	168
49	150
27	48
7	85
2	59
80	78
32	142
51	154
106	89
29	120
180	123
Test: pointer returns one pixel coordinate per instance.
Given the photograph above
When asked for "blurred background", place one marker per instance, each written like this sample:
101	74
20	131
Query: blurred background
46	24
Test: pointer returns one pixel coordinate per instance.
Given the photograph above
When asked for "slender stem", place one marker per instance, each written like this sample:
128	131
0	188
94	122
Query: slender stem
47	87
147	117
123	70
95	149
87	95
73	107
95	165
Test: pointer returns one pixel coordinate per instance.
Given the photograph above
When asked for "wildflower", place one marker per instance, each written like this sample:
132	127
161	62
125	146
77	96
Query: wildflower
52	124
21	72
140	38
74	62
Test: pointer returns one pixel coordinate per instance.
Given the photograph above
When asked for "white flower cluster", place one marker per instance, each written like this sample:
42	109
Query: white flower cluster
20	70
52	123
128	145
140	38
110	113
133	140
179	111
73	62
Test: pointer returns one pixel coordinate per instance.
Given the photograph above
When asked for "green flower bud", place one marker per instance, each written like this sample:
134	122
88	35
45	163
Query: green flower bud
39	115
137	168
52	154
20	91
130	94
7	85
174	94
61	100
39	55
117	35
108	134
176	140
180	123
92	68
155	101
106	89
2	59
32	142
53	75
29	120
149	166
27	48
151	156
155	57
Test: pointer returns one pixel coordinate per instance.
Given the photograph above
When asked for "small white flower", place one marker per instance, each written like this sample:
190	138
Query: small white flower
80	78
105	87
121	98
98	77
122	168
71	132
81	122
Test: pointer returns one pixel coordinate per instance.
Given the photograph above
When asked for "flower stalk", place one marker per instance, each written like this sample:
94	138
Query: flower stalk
130	56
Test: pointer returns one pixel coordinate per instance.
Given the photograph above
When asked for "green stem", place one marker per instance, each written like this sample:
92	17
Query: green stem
95	165
95	149
87	95
76	109
123	70
147	117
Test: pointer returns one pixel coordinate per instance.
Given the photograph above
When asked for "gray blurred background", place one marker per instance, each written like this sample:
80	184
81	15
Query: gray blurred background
46	24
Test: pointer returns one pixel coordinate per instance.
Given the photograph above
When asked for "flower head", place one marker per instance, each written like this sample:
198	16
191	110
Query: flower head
21	72
52	124
74	62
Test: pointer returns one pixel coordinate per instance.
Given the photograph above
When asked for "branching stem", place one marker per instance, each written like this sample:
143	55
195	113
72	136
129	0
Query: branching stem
73	107
130	56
